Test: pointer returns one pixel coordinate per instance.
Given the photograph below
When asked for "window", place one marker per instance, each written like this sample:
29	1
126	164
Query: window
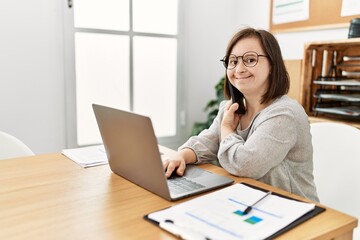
125	56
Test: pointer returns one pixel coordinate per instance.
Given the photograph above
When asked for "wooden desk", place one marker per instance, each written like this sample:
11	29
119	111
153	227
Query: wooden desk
51	197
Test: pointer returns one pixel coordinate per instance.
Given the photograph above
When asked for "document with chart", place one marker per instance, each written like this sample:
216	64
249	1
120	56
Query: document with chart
220	214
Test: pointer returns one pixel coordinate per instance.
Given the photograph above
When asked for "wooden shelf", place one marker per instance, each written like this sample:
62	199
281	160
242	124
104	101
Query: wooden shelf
338	58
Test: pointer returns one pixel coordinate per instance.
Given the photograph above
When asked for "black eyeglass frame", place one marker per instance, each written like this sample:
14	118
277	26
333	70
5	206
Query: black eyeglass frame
226	59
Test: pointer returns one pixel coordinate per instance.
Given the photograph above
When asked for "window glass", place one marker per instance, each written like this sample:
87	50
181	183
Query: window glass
117	66
102	77
155	62
104	14
155	16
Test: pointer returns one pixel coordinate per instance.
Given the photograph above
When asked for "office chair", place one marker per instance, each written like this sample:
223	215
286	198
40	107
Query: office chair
11	147
337	167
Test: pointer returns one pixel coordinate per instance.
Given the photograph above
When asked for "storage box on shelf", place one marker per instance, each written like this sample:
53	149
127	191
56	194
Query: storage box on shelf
331	81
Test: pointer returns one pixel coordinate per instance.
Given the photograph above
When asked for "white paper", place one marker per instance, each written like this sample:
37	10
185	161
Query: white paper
218	215
87	156
350	7
285	11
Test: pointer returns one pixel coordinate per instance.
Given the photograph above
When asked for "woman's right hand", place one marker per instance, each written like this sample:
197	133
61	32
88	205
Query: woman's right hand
230	120
177	162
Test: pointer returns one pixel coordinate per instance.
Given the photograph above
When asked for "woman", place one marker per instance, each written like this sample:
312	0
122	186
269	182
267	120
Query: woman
264	135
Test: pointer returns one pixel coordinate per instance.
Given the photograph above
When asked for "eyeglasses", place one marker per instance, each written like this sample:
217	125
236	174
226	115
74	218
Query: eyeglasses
249	59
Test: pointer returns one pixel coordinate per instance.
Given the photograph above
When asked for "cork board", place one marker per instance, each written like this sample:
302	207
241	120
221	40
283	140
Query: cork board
322	15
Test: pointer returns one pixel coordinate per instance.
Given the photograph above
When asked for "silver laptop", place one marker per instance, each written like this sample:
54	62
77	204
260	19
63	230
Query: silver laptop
133	153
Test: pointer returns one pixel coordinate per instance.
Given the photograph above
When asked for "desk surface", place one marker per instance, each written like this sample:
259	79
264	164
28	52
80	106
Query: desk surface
51	197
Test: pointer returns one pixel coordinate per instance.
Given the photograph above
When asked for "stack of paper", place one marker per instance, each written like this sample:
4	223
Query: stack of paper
87	156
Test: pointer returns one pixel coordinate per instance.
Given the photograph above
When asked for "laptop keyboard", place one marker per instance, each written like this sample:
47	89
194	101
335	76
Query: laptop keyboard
181	185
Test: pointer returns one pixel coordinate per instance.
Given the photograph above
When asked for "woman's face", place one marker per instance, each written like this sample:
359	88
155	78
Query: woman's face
251	81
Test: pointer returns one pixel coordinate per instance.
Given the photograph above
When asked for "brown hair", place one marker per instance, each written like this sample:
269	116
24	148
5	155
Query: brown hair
279	82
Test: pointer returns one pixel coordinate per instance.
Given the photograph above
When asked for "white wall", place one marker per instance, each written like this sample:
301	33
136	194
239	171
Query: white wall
292	43
32	97
31	73
207	27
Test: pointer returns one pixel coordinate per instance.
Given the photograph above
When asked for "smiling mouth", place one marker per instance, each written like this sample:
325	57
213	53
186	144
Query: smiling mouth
243	77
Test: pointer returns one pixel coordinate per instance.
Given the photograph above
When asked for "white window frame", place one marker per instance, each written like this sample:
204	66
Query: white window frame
70	76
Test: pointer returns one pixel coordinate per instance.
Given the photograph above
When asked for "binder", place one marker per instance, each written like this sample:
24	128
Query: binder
297	222
184	232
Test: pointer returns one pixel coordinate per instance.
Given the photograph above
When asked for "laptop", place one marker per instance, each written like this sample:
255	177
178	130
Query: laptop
133	153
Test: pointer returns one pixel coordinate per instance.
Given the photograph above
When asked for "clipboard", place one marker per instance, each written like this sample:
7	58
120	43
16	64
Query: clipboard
317	210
